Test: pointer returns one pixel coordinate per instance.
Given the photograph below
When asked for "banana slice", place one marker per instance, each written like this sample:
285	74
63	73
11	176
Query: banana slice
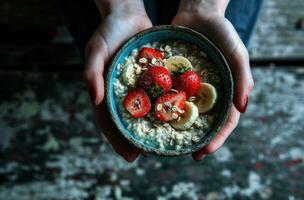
174	63
188	118
206	96
129	75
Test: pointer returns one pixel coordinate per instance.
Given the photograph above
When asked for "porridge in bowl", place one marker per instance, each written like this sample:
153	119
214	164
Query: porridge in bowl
167	94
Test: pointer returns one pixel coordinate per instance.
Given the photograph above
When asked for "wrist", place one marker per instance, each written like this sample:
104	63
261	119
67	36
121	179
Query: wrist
203	7
128	7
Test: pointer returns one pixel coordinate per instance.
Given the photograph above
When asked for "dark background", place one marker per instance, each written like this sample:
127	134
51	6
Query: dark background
50	148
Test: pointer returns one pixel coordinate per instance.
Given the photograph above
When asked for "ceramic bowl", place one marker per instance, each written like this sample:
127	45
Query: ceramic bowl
162	33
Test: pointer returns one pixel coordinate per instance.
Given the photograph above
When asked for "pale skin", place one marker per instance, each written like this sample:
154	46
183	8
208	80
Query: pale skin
123	18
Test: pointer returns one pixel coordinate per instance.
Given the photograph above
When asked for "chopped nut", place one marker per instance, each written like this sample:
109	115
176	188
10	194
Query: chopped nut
166	125
156	125
180	111
136	65
175	108
153	61
173	90
193	98
168	104
159	63
143	60
159	107
162	48
168	48
174	116
138	70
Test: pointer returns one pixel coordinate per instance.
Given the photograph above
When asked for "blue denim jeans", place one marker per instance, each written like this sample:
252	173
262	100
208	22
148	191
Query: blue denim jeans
82	16
243	15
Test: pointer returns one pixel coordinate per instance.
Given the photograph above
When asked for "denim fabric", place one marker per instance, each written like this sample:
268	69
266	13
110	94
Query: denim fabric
243	15
82	16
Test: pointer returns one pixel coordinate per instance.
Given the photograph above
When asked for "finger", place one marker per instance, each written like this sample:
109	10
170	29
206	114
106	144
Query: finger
228	40
119	144
95	56
240	67
220	138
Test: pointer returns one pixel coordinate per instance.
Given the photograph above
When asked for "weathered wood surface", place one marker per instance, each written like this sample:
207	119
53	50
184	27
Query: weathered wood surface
50	148
275	34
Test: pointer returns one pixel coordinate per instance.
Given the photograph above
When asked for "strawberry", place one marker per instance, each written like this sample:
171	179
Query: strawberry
137	103
188	82
169	106
155	81
150	53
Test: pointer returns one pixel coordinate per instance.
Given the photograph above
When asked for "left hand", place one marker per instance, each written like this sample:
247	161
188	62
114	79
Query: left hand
207	17
120	21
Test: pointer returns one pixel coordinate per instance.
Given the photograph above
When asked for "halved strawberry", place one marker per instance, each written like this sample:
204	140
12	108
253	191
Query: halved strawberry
149	53
156	80
170	106
137	103
188	82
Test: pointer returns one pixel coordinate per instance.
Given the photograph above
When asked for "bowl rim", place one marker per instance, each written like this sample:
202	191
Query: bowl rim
213	132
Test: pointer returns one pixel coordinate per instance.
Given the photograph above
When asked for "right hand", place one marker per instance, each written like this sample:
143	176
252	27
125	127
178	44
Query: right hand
120	21
208	18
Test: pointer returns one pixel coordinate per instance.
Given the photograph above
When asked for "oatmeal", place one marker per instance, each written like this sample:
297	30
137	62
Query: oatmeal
167	94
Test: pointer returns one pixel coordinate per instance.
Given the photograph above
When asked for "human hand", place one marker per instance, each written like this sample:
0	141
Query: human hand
207	17
120	21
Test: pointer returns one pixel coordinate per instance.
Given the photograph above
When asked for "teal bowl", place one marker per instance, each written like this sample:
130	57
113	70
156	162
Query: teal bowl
163	33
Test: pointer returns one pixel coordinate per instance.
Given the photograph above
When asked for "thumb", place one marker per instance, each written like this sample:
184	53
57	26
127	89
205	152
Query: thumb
95	57
244	83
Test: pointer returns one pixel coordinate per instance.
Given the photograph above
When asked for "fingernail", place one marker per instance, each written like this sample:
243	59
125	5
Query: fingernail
92	96
245	105
202	157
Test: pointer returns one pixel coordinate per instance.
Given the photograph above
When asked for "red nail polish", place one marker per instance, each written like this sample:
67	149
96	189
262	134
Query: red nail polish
201	157
245	105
